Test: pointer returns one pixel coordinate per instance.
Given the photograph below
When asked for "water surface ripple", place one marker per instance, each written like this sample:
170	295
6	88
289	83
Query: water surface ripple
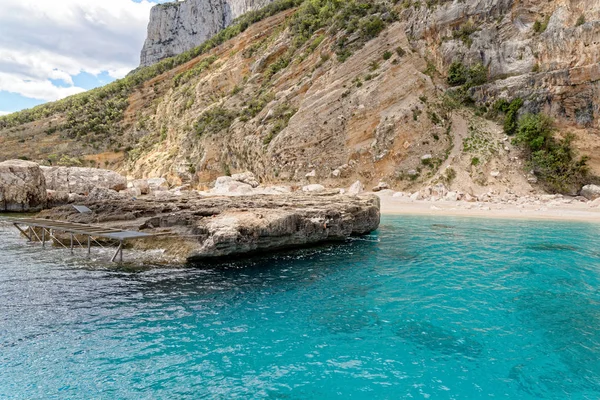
440	308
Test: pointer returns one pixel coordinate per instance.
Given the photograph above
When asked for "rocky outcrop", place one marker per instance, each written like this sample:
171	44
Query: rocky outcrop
82	180
180	26
195	227
22	186
547	53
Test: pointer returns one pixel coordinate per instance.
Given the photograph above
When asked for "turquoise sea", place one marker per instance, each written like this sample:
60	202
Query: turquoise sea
425	308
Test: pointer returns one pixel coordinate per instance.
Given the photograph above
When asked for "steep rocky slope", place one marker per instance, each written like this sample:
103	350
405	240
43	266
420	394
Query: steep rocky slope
181	26
340	102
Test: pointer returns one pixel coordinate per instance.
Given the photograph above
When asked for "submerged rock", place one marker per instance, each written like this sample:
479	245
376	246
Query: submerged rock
194	227
22	186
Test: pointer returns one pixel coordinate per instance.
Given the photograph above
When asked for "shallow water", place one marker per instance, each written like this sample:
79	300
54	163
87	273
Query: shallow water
440	308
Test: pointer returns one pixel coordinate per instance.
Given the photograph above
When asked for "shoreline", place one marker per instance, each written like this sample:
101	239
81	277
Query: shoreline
544	212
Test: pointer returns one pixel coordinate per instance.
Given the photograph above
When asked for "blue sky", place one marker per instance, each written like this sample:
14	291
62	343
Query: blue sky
53	49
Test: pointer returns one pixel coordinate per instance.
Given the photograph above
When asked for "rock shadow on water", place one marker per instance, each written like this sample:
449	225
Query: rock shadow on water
439	340
548	246
348	320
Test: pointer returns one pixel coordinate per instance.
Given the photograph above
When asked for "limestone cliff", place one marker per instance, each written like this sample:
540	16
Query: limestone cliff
547	52
362	97
180	26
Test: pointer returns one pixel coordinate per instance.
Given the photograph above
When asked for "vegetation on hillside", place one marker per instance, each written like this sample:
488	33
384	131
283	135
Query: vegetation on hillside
96	115
350	23
100	110
552	160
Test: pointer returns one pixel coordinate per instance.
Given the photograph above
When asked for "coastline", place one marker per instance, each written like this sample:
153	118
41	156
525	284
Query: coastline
580	212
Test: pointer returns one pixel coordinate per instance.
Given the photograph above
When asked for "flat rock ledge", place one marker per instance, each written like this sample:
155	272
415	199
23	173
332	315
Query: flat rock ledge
195	227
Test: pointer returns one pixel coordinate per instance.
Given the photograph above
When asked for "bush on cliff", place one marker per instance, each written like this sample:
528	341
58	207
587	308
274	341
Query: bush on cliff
553	160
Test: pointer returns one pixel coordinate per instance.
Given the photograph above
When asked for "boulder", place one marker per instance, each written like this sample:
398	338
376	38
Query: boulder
313	188
451	196
82	180
133	192
226	185
142	185
590	192
356	188
381	186
247	178
439	190
158	184
22	186
469	198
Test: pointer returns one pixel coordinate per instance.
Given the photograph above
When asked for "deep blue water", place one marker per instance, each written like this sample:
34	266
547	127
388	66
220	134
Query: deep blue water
438	308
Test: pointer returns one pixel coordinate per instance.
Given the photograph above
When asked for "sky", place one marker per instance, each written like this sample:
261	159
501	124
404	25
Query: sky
51	49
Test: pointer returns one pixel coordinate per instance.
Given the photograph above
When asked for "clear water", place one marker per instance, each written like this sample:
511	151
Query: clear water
426	308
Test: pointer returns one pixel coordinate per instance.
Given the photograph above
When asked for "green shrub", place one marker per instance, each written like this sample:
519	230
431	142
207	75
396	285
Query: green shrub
457	74
449	176
580	20
214	121
512	113
464	33
540	26
553	161
465	78
282	115
387	55
256	105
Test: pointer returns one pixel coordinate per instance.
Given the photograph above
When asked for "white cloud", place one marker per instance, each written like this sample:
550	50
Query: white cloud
4	113
42	40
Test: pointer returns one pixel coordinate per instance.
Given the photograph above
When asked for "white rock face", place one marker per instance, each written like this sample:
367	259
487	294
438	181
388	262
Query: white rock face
227	185
141	185
247	178
100	194
180	26
356	188
313	188
591	192
22	186
82	180
158	184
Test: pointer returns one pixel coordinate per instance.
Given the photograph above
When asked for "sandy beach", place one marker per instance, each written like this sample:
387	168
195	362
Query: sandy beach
550	210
